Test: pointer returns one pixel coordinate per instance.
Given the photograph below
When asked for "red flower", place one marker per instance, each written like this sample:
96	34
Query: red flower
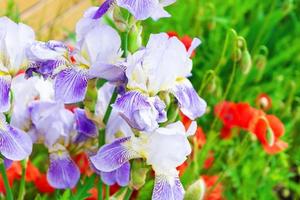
226	132
82	162
213	190
41	183
264	102
267	128
32	173
209	160
200	137
13	172
182	168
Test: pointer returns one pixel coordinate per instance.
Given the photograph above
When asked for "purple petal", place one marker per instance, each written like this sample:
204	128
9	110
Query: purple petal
85	127
109	178
51	120
7	163
5	82
123	174
112	73
71	85
103	9
167	188
189	101
138	111
160	107
140	9
62	172
112	156
44	68
15	143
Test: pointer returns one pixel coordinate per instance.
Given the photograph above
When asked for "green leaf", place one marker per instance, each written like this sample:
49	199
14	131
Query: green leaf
83	189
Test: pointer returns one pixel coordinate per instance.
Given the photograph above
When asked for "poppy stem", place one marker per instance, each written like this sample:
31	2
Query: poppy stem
22	183
9	194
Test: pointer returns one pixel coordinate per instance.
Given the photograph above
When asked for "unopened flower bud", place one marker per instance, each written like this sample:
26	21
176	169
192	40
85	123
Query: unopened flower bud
138	174
237	55
246	62
119	19
195	191
260	61
135	38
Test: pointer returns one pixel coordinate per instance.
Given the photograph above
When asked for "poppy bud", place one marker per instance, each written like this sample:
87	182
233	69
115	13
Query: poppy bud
195	191
260	61
246	62
237	55
138	174
212	84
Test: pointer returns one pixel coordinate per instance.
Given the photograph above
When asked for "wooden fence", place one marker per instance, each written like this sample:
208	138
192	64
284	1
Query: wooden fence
53	19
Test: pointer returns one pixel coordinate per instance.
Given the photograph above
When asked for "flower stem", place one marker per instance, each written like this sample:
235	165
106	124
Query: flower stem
99	187
128	194
9	194
22	189
107	188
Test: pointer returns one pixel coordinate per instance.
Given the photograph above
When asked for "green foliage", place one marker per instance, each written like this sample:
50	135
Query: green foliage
271	30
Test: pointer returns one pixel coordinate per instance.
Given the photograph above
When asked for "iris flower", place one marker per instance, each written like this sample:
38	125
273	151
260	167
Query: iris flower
162	66
14	38
164	149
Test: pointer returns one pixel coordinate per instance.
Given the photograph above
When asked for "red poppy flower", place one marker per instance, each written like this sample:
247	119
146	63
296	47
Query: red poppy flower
82	162
217	192
227	113
14	172
264	102
200	137
268	129
182	168
209	160
32	173
41	183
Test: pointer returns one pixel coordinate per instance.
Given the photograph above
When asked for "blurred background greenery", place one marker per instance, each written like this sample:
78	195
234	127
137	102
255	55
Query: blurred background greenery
271	30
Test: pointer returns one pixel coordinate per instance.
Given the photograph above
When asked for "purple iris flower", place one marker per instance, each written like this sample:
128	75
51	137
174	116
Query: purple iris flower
85	127
97	55
164	149
45	57
15	143
62	172
140	9
51	121
141	112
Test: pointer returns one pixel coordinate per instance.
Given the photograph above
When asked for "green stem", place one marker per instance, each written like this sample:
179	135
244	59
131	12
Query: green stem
9	194
100	191
128	194
107	188
22	189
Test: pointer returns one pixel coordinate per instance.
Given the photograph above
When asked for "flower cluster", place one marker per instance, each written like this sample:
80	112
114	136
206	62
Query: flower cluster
267	128
49	95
